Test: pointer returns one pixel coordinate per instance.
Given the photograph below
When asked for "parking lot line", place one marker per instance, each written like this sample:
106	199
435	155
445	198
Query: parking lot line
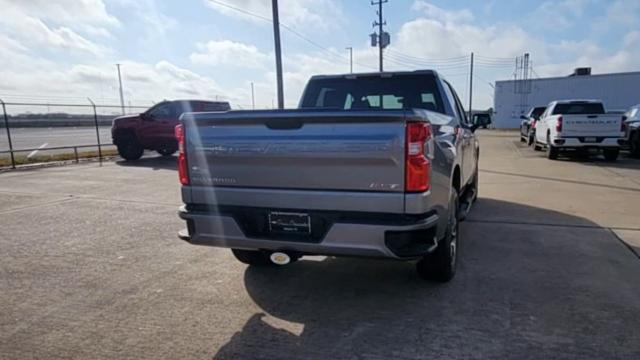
34	152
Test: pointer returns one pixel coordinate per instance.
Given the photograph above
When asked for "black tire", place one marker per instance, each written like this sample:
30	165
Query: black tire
253	257
552	151
129	148
440	266
475	183
634	144
611	154
522	139
168	151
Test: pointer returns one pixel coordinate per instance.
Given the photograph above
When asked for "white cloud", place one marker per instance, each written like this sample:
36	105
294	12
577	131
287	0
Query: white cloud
226	52
142	83
564	14
441	39
623	13
34	33
307	13
64	11
433	12
588	54
55	25
76	30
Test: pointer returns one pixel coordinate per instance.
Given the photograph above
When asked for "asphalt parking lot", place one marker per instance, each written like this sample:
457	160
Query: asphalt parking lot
92	268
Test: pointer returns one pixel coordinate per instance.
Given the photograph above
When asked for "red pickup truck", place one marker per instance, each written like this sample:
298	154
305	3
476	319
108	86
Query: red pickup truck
154	128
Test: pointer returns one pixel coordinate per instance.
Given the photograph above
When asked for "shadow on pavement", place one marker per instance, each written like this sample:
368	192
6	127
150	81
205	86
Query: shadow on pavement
522	291
154	162
548	178
625	160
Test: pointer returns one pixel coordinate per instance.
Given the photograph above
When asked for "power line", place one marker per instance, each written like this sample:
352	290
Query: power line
290	29
451	59
495	58
497	62
420	64
428	64
494	66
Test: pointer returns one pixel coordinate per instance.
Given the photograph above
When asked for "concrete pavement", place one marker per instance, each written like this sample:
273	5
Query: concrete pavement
92	268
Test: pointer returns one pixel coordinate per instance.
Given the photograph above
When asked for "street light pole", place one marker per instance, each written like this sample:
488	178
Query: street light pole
253	98
121	94
350	48
471	86
276	38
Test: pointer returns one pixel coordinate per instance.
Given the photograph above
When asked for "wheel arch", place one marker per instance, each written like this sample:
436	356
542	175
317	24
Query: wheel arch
119	134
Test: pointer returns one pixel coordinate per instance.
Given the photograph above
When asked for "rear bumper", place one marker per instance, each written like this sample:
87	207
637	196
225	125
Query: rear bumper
405	239
580	142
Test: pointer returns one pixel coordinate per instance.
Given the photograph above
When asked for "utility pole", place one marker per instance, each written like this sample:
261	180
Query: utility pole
522	83
121	94
350	48
471	87
382	38
276	38
253	98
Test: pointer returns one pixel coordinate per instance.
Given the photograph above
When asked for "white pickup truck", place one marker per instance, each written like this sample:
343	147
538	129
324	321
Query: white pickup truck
579	124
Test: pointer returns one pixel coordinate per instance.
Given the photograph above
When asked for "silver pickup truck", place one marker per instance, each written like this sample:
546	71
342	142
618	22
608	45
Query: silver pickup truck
374	165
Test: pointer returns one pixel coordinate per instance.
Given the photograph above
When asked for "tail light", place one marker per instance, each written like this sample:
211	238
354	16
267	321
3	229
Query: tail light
183	173
559	124
419	153
623	125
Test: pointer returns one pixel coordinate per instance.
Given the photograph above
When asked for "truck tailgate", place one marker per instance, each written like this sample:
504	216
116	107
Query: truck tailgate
297	150
591	125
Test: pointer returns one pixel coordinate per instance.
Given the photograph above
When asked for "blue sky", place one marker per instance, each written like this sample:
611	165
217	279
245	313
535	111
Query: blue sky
67	49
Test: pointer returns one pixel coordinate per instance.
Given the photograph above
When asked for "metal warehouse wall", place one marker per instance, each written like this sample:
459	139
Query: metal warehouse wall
617	91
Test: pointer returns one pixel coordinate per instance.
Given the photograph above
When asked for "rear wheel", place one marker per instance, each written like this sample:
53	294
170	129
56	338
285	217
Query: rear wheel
440	266
611	154
129	148
552	151
167	151
634	143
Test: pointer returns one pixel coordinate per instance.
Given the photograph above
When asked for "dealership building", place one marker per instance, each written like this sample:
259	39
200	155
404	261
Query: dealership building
512	98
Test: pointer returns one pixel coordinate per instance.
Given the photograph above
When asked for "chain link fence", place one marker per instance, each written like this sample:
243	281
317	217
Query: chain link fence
35	132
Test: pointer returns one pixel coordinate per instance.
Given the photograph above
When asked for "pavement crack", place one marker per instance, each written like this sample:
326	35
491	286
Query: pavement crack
87	197
568	181
48	203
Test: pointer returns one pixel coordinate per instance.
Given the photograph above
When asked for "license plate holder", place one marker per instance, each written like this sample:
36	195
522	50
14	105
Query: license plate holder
289	223
590	139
